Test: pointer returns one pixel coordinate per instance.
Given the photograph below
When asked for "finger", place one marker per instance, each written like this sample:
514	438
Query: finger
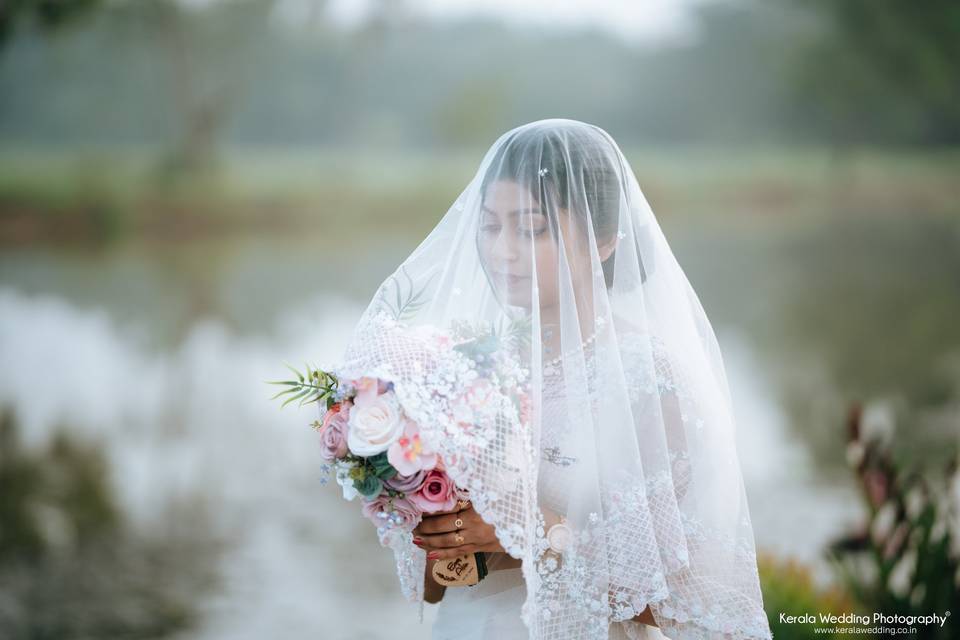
447	523
457	507
445	554
444	540
430	523
432	526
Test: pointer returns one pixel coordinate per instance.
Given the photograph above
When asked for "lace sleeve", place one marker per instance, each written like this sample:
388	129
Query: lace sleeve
670	387
644	511
649	542
711	586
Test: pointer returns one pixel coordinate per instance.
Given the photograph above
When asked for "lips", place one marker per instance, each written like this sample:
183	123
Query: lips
512	279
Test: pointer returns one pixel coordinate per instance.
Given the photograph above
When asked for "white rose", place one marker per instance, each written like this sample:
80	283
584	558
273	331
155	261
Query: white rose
374	425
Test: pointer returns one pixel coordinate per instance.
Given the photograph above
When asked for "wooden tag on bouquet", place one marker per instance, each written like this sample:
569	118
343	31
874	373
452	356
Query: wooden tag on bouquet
462	571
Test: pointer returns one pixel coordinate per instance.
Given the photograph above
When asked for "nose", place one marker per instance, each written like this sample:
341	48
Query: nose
504	250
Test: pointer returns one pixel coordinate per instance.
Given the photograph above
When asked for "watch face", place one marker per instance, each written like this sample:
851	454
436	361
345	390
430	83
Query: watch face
558	537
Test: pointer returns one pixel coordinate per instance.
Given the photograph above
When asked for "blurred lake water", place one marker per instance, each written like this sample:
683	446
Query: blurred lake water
158	350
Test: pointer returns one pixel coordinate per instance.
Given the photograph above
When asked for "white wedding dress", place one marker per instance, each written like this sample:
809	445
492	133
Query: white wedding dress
490	610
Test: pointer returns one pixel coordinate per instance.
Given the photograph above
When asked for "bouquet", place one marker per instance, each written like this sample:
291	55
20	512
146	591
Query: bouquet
372	442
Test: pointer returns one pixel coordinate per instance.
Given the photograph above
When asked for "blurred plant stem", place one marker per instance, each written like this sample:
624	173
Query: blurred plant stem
905	559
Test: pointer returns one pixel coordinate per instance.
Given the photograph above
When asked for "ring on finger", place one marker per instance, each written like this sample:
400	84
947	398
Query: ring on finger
458	538
458	523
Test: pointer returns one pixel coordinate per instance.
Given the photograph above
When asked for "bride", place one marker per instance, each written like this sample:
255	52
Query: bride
618	509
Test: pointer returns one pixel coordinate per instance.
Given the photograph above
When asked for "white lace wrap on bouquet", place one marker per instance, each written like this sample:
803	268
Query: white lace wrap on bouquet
470	419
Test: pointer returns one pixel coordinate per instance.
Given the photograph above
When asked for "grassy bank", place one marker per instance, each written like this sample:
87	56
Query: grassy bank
107	194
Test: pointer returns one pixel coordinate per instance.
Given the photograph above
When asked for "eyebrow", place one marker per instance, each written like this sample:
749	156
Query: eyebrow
515	211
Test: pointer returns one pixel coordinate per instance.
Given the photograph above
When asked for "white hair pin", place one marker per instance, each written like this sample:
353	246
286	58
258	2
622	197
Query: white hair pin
543	172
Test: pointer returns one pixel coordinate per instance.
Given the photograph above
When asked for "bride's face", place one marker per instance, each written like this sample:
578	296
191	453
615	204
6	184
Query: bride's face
515	238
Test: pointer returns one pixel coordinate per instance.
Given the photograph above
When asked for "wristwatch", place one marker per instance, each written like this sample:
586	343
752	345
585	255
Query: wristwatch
559	535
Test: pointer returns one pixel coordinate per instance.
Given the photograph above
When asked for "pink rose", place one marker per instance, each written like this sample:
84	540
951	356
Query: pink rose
333	432
392	512
407	484
436	494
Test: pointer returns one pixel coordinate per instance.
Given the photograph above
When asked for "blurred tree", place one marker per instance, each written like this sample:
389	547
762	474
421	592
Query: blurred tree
883	71
191	75
207	49
48	14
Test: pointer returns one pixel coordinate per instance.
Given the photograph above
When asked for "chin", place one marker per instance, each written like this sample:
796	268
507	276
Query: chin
518	298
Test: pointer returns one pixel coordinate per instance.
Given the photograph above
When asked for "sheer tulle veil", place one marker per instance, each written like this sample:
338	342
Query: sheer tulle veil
626	428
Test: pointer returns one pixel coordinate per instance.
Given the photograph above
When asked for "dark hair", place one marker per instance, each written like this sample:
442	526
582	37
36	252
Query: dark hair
547	159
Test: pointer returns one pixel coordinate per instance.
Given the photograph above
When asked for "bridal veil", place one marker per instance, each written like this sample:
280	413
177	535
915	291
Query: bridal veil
626	429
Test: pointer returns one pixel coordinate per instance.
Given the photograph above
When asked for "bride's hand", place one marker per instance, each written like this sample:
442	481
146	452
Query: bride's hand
437	534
